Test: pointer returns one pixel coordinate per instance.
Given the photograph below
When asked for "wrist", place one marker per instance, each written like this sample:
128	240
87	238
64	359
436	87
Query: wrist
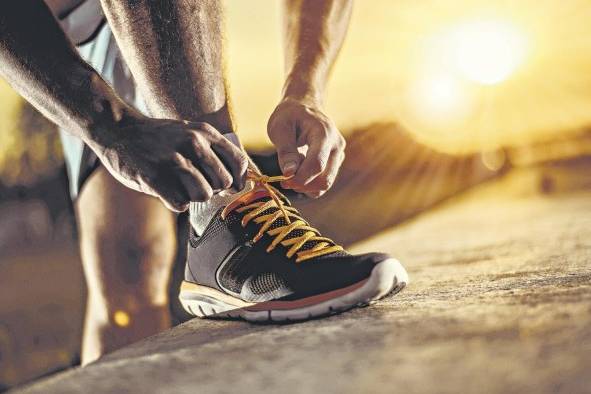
107	116
106	130
304	91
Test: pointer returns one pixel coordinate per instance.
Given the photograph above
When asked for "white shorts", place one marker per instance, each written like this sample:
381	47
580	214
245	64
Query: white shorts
86	25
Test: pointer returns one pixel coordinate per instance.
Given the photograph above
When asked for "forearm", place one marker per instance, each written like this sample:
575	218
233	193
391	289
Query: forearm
313	35
173	48
40	63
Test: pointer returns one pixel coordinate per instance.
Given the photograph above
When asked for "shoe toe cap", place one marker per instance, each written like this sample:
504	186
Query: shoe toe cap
334	272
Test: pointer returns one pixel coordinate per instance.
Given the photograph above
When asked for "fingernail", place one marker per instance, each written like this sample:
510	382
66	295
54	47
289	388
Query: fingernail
286	185
290	168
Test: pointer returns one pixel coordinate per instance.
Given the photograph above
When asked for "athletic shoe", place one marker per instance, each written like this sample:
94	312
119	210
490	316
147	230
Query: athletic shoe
259	260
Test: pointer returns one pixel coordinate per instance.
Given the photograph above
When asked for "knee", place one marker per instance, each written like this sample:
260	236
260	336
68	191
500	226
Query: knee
143	257
130	248
133	267
128	243
128	270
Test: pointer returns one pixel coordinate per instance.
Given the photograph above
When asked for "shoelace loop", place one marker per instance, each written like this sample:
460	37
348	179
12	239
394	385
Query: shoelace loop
323	246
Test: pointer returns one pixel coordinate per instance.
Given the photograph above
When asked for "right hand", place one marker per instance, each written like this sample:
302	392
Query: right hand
176	161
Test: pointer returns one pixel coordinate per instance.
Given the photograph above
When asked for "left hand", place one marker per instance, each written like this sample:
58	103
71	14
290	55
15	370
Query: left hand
296	123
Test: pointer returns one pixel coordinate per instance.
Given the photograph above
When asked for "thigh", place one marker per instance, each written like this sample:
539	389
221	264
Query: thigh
128	241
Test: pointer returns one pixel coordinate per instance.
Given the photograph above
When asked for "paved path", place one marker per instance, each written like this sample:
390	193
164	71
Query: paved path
500	302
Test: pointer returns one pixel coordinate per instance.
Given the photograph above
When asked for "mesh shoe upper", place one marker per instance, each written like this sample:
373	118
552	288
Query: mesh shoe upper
225	258
259	248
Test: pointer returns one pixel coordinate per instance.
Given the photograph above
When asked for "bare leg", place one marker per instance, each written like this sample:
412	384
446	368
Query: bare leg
128	244
128	239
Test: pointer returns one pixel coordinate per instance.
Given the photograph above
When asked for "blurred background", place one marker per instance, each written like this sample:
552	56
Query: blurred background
433	96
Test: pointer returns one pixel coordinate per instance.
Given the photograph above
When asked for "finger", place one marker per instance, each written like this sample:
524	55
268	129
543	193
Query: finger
323	182
173	195
315	194
284	137
213	169
173	206
233	159
196	185
316	159
289	184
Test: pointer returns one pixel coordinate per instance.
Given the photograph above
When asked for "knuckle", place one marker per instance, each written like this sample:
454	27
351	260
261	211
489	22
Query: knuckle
177	204
275	131
273	120
242	164
317	165
307	110
200	125
342	157
322	130
178	160
287	151
207	128
198	141
325	183
341	142
203	194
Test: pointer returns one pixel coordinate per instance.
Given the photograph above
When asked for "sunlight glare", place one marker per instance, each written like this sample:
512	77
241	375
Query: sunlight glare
487	51
438	98
438	94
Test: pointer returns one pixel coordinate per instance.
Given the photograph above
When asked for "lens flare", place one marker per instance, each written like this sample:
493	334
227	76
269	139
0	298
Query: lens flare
487	51
437	96
121	318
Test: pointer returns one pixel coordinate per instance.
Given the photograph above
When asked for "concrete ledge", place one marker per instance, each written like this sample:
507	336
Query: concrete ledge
500	301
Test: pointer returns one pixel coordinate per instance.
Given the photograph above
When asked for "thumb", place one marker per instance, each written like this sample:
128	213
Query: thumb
289	161
287	151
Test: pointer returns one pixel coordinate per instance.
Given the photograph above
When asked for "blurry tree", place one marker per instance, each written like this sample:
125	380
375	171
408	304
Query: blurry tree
30	146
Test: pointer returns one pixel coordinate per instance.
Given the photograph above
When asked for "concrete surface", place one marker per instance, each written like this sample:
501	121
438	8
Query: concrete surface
42	298
500	302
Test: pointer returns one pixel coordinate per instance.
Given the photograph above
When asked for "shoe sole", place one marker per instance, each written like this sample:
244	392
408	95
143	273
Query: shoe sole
386	279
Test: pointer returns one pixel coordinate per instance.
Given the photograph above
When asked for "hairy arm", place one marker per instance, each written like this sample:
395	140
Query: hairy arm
41	64
163	158
174	51
314	31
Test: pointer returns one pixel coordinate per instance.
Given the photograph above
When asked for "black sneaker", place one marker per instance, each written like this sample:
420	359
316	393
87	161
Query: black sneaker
260	261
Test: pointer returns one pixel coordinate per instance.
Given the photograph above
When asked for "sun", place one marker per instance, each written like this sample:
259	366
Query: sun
487	51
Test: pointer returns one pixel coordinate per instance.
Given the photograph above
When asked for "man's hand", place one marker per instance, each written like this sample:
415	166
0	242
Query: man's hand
296	124
177	161
313	34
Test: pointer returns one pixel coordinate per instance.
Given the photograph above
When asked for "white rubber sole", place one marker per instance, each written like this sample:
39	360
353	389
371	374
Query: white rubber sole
387	278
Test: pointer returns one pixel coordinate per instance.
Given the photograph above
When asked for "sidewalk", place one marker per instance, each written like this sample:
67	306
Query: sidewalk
499	301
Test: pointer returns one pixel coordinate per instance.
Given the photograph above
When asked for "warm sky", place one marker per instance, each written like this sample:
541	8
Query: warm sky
418	63
394	66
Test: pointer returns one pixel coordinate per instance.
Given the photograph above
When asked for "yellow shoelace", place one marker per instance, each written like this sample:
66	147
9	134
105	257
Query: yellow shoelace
291	216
